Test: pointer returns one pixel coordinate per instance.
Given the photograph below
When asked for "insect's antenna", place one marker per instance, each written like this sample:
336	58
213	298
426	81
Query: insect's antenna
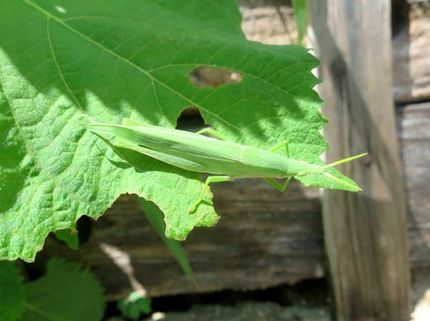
346	160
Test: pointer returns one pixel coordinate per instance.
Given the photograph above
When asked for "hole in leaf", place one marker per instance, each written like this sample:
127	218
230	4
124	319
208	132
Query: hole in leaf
214	77
83	229
190	120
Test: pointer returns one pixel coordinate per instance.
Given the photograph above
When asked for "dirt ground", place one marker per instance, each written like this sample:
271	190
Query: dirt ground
421	295
317	310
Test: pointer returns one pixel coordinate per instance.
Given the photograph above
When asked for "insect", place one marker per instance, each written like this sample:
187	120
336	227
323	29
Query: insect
225	160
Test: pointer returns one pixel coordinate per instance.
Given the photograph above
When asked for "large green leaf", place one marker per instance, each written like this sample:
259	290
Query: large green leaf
65	293
63	61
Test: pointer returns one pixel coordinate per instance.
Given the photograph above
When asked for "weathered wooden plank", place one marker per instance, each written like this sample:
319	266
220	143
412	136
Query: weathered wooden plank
255	311
264	238
268	21
365	233
272	22
411	56
414	132
419	2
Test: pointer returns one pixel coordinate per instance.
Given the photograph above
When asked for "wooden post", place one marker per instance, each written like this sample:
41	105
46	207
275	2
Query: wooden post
365	233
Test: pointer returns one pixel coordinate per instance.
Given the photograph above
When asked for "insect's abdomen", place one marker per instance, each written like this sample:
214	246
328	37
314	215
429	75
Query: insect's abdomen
269	164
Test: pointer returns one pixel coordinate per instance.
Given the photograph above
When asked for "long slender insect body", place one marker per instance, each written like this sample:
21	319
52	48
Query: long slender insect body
203	154
226	160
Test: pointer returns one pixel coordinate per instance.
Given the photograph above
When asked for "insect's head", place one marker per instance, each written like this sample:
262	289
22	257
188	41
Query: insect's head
311	169
335	181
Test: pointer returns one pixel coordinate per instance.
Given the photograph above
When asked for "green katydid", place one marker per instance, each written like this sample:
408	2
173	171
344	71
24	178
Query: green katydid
227	160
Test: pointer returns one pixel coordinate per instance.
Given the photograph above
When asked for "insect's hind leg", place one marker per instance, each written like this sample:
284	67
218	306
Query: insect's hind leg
279	186
281	145
209	180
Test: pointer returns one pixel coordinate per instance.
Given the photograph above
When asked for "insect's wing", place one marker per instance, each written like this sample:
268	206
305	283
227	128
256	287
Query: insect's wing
183	149
166	158
127	134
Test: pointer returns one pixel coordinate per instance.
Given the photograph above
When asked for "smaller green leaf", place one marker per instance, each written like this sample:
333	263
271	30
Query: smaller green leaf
155	218
70	237
11	292
134	305
66	293
301	15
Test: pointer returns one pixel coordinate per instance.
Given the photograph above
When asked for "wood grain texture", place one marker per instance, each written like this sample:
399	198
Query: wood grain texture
268	21
264	238
414	134
365	233
411	56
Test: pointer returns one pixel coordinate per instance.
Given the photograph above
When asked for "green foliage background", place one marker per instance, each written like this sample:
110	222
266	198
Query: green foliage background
11	292
67	293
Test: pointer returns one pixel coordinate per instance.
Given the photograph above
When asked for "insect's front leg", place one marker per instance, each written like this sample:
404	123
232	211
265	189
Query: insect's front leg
281	145
211	132
280	187
209	180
